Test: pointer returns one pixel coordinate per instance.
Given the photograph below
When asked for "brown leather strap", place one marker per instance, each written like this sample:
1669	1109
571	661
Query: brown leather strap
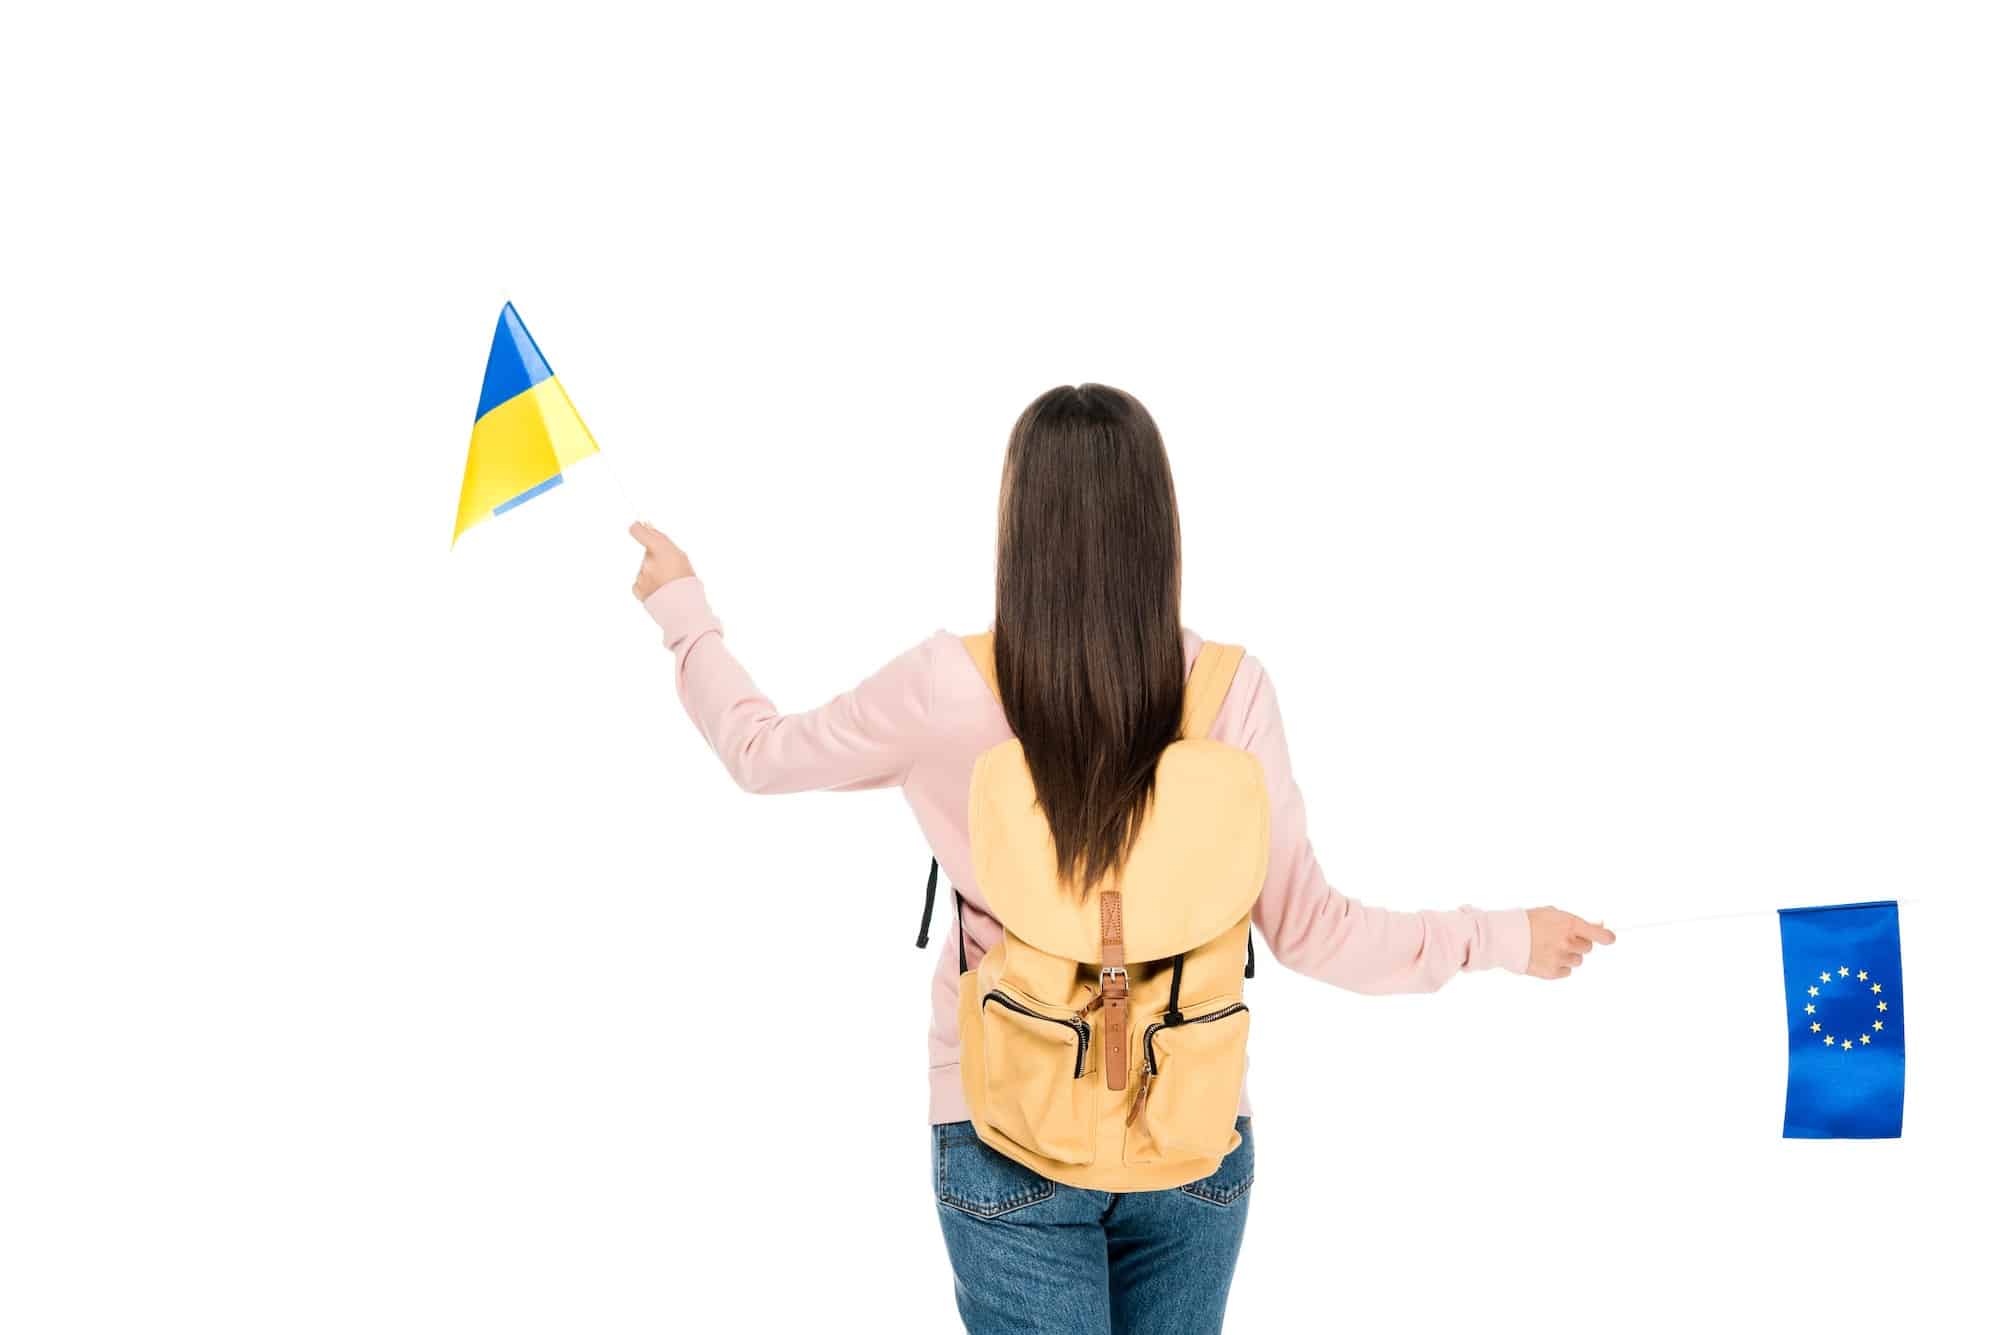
1114	986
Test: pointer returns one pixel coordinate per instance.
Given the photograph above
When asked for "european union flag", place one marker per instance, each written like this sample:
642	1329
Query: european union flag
1844	1006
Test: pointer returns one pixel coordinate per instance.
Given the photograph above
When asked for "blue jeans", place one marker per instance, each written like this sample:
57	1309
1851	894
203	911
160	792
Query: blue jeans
1034	1257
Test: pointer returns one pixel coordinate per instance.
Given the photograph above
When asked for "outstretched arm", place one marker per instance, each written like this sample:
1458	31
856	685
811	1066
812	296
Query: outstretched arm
867	737
1315	930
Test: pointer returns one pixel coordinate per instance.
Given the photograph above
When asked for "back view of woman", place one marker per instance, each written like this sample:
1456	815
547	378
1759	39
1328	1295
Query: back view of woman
1091	661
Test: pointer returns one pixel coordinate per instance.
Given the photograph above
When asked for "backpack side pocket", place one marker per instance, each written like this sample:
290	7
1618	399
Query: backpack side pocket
1190	1076
1037	1060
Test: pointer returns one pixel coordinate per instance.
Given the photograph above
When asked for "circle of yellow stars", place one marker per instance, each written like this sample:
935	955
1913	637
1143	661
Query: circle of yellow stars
1867	1035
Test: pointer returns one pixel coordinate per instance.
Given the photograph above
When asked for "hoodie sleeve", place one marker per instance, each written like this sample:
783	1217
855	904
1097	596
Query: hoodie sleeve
867	737
1314	929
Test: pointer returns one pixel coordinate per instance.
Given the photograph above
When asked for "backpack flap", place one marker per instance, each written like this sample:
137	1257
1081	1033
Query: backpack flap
1197	867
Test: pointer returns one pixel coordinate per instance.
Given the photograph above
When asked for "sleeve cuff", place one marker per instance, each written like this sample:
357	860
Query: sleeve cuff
680	608
1511	939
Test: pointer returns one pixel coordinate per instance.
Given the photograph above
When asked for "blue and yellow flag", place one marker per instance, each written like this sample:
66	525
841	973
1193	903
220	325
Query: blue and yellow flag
525	432
1844	1003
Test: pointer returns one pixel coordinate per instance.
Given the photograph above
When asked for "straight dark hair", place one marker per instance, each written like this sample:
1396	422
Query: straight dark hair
1087	624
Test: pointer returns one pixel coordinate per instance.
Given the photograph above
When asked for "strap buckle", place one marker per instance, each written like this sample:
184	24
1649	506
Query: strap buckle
1111	972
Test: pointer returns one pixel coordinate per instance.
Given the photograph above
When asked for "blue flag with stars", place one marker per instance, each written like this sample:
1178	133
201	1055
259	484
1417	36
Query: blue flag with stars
1844	1006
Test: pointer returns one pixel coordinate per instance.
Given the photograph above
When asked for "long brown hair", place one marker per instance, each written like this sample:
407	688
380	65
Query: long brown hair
1087	624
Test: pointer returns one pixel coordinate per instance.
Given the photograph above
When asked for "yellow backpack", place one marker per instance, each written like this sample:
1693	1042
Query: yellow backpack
1102	1040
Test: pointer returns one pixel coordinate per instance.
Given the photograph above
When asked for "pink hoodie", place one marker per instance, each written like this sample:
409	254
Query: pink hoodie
920	721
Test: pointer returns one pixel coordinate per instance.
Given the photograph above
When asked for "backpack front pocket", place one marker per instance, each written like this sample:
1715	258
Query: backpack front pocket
1036	1061
1190	1076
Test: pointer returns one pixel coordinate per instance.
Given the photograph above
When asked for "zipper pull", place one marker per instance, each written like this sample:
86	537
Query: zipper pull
1139	1103
1090	1006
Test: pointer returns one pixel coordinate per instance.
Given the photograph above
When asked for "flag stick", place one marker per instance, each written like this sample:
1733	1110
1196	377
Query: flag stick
1713	917
618	481
1701	917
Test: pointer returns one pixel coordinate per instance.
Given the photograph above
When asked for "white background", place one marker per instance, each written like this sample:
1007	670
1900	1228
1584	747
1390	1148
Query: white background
1587	413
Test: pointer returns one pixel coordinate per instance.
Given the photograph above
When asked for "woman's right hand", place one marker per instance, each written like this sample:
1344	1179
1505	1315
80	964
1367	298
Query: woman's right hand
663	562
1558	941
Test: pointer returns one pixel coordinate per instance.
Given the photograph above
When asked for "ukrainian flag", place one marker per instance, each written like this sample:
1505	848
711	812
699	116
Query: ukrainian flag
525	433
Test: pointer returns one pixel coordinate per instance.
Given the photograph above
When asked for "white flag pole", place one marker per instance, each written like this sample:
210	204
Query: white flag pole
1721	917
618	481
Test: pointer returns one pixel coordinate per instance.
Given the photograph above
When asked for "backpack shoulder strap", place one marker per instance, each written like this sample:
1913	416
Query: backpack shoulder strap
981	648
1207	684
1208	681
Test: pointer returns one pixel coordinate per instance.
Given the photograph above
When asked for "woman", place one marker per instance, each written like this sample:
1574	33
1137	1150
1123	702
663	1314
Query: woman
1091	657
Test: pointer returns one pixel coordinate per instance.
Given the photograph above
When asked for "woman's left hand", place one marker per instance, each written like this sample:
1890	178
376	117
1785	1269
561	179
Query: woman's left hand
663	561
1558	941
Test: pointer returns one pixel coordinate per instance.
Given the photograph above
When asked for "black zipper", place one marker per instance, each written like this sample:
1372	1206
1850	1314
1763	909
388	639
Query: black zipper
1152	1065
1081	1027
